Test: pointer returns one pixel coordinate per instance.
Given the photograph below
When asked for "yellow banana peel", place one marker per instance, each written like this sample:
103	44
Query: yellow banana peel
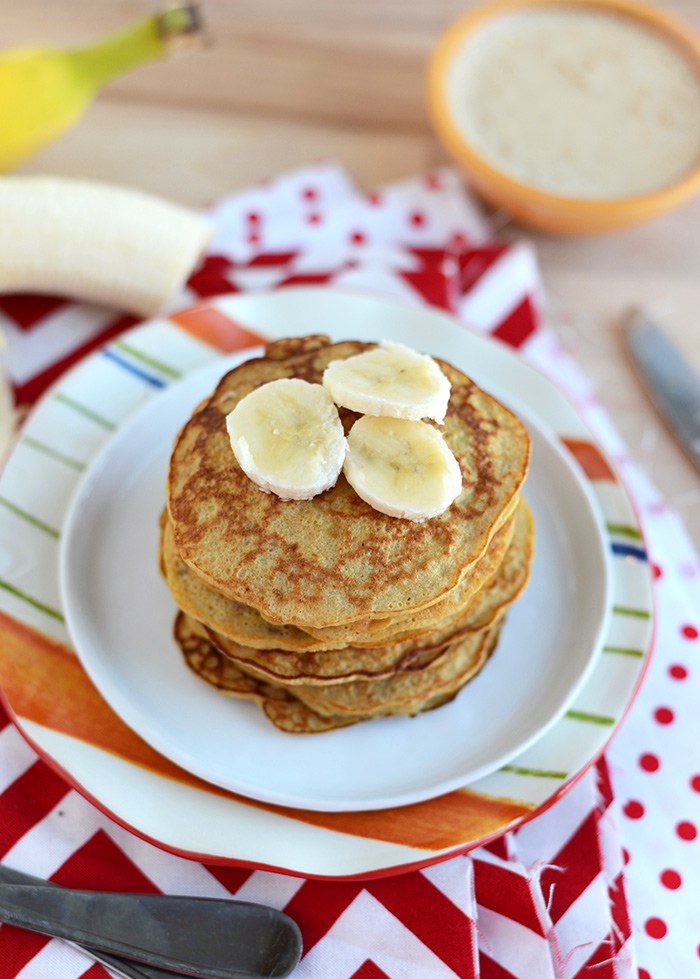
44	91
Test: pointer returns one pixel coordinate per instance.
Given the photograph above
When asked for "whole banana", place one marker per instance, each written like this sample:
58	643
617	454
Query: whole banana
44	90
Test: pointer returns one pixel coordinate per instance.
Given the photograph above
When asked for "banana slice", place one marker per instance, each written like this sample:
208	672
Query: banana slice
391	380
288	438
402	468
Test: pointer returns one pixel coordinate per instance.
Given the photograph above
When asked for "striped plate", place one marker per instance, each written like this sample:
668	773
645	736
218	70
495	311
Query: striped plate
61	713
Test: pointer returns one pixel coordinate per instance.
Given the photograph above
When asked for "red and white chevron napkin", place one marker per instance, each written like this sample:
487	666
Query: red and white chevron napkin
547	900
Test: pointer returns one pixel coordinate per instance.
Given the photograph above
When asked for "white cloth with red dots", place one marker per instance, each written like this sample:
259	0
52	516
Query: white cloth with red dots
654	760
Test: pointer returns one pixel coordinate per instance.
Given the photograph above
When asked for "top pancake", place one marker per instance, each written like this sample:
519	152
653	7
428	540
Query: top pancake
334	559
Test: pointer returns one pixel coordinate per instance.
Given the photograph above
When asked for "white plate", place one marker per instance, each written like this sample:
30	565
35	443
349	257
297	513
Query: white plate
64	718
120	616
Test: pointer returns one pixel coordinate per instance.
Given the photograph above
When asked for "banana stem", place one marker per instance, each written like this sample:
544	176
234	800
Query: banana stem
146	39
180	19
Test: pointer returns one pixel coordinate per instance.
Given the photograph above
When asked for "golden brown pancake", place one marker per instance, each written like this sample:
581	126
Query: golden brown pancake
331	666
209	664
232	619
326	612
334	560
246	626
406	692
362	663
452	606
309	711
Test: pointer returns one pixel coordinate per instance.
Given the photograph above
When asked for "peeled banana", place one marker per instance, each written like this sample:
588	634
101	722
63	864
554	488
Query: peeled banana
288	438
97	242
402	468
44	91
390	380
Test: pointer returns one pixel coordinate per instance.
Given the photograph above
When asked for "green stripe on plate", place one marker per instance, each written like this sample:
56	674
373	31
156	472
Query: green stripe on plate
147	359
53	453
34	602
582	715
30	518
638	613
85	410
624	530
535	772
623	650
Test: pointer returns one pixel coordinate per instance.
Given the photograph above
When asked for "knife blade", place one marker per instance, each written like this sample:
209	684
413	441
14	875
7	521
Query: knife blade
672	384
205	937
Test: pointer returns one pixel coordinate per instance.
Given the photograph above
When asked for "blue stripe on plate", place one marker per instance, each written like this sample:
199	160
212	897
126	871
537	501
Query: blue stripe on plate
629	550
127	365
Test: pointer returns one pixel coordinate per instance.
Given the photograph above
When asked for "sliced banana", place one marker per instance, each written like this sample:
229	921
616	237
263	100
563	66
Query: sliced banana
400	467
288	438
391	380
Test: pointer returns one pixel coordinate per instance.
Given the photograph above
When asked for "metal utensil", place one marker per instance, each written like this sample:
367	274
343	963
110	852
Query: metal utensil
120	966
673	385
206	937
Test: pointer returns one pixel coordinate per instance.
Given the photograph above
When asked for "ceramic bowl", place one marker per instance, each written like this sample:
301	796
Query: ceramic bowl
528	204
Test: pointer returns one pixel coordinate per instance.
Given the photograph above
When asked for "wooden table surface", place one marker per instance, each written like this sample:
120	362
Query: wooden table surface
285	82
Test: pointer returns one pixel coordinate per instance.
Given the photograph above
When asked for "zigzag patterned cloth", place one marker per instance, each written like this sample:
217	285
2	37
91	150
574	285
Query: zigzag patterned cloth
509	909
547	900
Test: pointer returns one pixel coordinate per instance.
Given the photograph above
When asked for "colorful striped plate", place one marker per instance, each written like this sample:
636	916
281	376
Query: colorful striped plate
591	589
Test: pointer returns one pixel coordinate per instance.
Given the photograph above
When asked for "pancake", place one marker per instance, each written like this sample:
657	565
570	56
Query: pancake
229	618
439	615
335	560
295	714
246	626
332	666
361	663
406	692
210	665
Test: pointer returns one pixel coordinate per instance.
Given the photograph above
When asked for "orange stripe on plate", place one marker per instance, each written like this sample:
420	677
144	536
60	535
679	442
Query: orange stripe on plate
211	326
590	459
451	820
43	681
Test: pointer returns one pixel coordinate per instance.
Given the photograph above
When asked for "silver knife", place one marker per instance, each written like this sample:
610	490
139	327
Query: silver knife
673	385
206	937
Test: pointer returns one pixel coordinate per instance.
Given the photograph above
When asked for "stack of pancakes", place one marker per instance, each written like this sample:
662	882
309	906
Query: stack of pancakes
326	611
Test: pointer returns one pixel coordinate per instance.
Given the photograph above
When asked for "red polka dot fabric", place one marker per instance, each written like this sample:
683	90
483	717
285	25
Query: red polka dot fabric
604	883
653	760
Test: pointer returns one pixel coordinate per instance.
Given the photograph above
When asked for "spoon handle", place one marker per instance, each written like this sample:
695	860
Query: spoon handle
205	937
130	970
